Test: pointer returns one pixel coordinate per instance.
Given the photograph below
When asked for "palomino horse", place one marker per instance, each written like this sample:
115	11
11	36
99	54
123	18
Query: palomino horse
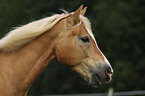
26	51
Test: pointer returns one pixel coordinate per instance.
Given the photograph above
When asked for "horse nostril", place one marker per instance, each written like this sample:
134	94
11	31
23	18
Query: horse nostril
109	71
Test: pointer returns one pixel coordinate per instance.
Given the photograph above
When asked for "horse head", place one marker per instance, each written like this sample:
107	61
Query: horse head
78	49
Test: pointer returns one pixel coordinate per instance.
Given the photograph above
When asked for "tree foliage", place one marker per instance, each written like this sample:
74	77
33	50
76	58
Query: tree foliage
119	29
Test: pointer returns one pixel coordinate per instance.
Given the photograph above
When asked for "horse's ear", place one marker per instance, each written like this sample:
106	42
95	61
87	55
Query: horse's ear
83	11
74	17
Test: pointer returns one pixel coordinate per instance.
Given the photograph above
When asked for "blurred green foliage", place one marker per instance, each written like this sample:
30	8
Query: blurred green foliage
119	28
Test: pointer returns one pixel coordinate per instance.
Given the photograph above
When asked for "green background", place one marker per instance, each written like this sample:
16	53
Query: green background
119	28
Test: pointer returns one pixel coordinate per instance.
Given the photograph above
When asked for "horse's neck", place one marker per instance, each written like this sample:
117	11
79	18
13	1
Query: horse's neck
32	59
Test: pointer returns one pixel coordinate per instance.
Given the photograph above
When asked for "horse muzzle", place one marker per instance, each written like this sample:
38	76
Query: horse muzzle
101	74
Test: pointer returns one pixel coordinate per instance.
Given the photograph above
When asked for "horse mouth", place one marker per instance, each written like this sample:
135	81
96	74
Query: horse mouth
95	81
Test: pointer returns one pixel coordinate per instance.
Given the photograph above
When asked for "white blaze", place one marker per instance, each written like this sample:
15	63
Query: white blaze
105	59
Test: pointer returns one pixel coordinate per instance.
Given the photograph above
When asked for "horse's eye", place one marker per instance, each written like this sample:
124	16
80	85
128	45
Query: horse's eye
85	39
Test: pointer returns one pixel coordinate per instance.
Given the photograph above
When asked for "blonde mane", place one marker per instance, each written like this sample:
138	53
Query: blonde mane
17	38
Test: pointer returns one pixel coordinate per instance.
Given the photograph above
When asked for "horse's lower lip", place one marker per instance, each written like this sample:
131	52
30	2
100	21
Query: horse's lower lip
97	80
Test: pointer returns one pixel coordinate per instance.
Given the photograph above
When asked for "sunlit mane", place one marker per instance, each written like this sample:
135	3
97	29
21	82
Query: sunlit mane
17	38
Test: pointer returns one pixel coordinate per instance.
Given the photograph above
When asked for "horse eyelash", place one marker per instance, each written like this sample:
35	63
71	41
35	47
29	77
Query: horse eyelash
85	39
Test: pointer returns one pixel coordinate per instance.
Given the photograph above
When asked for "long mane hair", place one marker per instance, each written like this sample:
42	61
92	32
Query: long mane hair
20	36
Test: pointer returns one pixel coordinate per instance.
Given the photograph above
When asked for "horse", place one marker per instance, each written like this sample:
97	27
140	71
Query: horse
27	50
